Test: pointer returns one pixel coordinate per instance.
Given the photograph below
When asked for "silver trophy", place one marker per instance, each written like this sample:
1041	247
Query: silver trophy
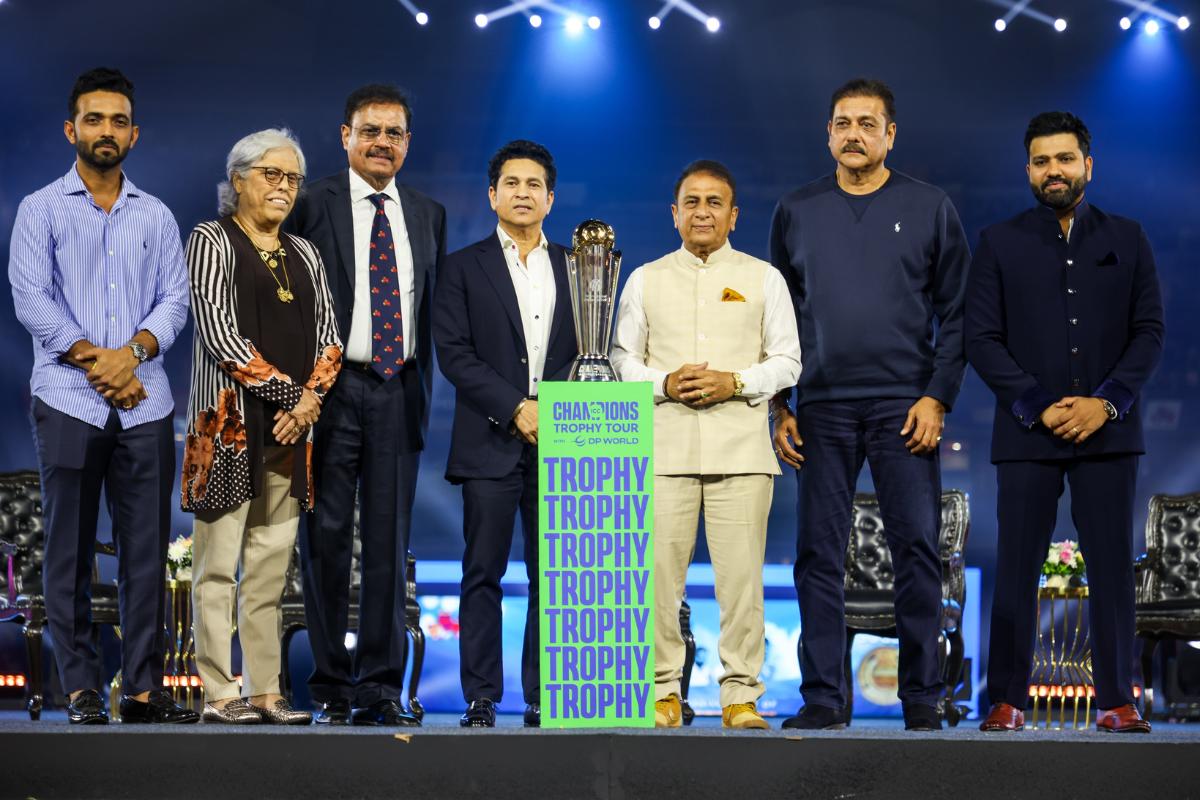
592	270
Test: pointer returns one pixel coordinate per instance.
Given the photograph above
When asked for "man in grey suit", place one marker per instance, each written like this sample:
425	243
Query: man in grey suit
381	243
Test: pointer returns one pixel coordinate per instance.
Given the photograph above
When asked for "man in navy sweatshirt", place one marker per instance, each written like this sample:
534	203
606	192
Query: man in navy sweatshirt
872	258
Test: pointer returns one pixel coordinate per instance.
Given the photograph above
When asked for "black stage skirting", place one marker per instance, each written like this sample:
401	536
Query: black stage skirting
48	760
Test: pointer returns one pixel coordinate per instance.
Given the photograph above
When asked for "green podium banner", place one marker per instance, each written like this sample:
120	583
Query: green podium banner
596	487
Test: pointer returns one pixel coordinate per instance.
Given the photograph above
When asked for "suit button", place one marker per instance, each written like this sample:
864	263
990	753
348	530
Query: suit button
1074	383
1074	320
523	361
1074	351
1071	291
1070	262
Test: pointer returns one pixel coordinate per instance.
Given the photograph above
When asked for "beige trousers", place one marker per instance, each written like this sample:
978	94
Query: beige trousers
735	524
259	536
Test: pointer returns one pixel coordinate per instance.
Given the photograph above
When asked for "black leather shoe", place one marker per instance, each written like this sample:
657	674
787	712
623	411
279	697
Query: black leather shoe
384	712
817	718
480	714
159	708
87	709
921	717
335	712
533	716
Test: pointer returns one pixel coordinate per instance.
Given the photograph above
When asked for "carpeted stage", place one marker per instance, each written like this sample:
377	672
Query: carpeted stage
872	759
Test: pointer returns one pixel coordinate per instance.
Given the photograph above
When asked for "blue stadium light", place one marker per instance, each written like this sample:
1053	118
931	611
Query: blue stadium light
1060	24
574	25
481	20
594	23
655	23
1001	25
535	20
1151	27
1126	23
1183	23
422	18
713	24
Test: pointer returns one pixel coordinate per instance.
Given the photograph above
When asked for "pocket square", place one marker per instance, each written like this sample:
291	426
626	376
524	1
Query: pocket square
731	296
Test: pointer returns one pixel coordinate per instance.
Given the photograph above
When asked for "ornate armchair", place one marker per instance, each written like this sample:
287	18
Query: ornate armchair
293	619
22	601
870	591
1167	603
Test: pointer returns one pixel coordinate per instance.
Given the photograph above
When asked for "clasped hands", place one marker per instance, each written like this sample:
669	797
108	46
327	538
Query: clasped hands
110	372
697	386
291	425
1075	418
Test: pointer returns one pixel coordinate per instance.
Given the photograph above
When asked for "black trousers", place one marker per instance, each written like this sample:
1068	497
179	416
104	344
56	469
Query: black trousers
489	511
838	437
1102	494
359	452
135	467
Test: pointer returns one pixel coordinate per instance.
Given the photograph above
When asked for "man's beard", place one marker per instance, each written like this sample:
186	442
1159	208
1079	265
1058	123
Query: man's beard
101	161
1060	199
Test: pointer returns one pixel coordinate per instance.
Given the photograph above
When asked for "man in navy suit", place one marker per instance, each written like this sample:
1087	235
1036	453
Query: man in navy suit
1064	321
381	243
502	324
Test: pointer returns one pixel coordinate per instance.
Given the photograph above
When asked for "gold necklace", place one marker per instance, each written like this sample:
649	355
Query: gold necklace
269	258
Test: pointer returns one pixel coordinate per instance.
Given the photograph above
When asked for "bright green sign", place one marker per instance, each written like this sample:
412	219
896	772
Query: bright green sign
596	481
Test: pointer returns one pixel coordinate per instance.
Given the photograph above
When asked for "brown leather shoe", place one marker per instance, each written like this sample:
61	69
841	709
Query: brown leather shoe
1003	717
1122	719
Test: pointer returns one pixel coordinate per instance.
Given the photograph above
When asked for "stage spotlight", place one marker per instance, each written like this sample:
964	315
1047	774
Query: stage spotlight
574	25
1060	24
594	23
422	18
713	24
1151	27
1183	23
535	20
655	23
1126	23
481	20
1001	25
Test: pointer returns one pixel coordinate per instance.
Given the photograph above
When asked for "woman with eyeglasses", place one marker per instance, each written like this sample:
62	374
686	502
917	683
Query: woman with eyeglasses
265	352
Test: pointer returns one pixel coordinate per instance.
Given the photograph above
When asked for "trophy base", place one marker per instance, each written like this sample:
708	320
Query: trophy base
592	369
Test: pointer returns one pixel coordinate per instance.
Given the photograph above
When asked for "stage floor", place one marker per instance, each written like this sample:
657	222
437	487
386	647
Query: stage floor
871	759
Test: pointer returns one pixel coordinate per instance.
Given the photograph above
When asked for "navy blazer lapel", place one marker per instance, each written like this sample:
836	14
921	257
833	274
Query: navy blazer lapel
424	252
341	218
563	310
495	267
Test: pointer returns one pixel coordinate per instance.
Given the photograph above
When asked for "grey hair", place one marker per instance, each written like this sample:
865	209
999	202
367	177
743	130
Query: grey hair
248	151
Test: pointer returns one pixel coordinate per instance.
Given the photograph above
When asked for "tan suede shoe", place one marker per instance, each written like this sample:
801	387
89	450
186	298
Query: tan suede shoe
668	712
744	716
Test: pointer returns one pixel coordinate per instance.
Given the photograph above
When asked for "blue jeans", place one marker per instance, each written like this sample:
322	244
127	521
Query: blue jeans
838	437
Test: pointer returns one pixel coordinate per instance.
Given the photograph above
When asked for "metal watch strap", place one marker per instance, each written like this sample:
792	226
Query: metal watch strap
738	385
1110	410
139	352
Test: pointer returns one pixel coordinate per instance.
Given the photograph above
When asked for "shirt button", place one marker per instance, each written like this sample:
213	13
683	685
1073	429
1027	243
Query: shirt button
1074	320
536	348
701	302
110	252
537	316
701	337
112	286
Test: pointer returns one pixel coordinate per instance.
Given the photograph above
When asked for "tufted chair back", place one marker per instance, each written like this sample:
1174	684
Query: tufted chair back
21	537
1170	570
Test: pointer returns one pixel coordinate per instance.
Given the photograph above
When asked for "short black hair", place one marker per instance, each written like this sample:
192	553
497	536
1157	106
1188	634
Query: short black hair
522	148
706	166
865	87
100	79
378	94
1049	123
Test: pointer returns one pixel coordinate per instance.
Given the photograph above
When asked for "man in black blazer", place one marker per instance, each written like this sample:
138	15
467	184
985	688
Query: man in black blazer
502	324
381	243
1064	321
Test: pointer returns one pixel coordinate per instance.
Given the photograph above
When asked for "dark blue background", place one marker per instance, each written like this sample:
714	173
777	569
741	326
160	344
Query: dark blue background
623	108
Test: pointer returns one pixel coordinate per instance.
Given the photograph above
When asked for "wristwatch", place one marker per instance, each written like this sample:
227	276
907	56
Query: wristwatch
738	385
1109	409
139	352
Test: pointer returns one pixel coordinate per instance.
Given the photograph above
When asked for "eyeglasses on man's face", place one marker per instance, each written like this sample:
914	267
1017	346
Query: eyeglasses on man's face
371	133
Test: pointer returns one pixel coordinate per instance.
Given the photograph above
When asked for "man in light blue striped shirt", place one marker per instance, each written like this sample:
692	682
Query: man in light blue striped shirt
98	279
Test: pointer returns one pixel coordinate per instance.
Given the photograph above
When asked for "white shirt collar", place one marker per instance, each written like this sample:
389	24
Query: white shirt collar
361	190
507	241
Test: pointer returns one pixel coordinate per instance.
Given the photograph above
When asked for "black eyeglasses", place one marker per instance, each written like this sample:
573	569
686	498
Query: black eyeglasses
396	136
274	175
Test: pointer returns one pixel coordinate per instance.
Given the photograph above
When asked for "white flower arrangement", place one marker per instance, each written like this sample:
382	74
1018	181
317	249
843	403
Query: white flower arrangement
1063	565
179	559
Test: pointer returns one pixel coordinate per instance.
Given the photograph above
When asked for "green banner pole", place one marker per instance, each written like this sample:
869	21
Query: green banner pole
596	553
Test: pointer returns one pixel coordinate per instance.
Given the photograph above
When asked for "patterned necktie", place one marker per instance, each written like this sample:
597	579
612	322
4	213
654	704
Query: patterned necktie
387	318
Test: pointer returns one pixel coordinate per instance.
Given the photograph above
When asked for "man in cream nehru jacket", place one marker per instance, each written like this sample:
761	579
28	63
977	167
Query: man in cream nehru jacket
714	331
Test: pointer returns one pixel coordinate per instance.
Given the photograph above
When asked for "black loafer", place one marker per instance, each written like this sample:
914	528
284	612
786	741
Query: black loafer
87	709
533	715
817	718
384	712
160	708
335	712
921	717
479	714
